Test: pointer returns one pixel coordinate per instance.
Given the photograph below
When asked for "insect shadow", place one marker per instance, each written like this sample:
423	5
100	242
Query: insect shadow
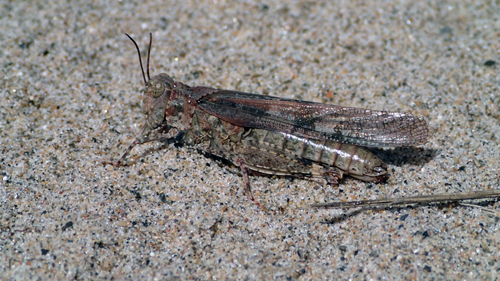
415	156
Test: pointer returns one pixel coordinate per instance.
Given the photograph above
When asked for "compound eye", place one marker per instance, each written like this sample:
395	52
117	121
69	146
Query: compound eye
157	89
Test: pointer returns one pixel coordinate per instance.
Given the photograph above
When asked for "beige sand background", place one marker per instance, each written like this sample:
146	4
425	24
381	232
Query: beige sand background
71	98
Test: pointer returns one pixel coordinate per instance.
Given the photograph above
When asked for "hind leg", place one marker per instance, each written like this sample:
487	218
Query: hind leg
261	161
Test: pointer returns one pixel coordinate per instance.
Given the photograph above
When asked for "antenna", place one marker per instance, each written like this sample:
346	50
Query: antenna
139	53
149	52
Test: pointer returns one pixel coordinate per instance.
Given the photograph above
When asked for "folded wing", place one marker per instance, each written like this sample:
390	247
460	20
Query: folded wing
358	126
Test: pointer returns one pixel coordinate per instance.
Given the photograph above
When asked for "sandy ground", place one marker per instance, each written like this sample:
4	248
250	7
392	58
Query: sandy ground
71	98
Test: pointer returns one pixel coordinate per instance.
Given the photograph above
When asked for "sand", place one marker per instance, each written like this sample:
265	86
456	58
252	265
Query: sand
71	98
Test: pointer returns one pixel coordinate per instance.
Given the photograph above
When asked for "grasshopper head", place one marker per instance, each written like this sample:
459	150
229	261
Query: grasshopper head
157	96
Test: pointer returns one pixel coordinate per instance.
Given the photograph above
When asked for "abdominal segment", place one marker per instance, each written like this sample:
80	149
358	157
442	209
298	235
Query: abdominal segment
278	153
304	155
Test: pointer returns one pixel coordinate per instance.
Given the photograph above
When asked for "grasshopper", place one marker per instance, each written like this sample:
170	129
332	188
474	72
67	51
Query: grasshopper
271	135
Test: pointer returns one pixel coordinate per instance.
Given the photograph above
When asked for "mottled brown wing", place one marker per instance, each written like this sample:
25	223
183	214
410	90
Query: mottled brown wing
358	126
